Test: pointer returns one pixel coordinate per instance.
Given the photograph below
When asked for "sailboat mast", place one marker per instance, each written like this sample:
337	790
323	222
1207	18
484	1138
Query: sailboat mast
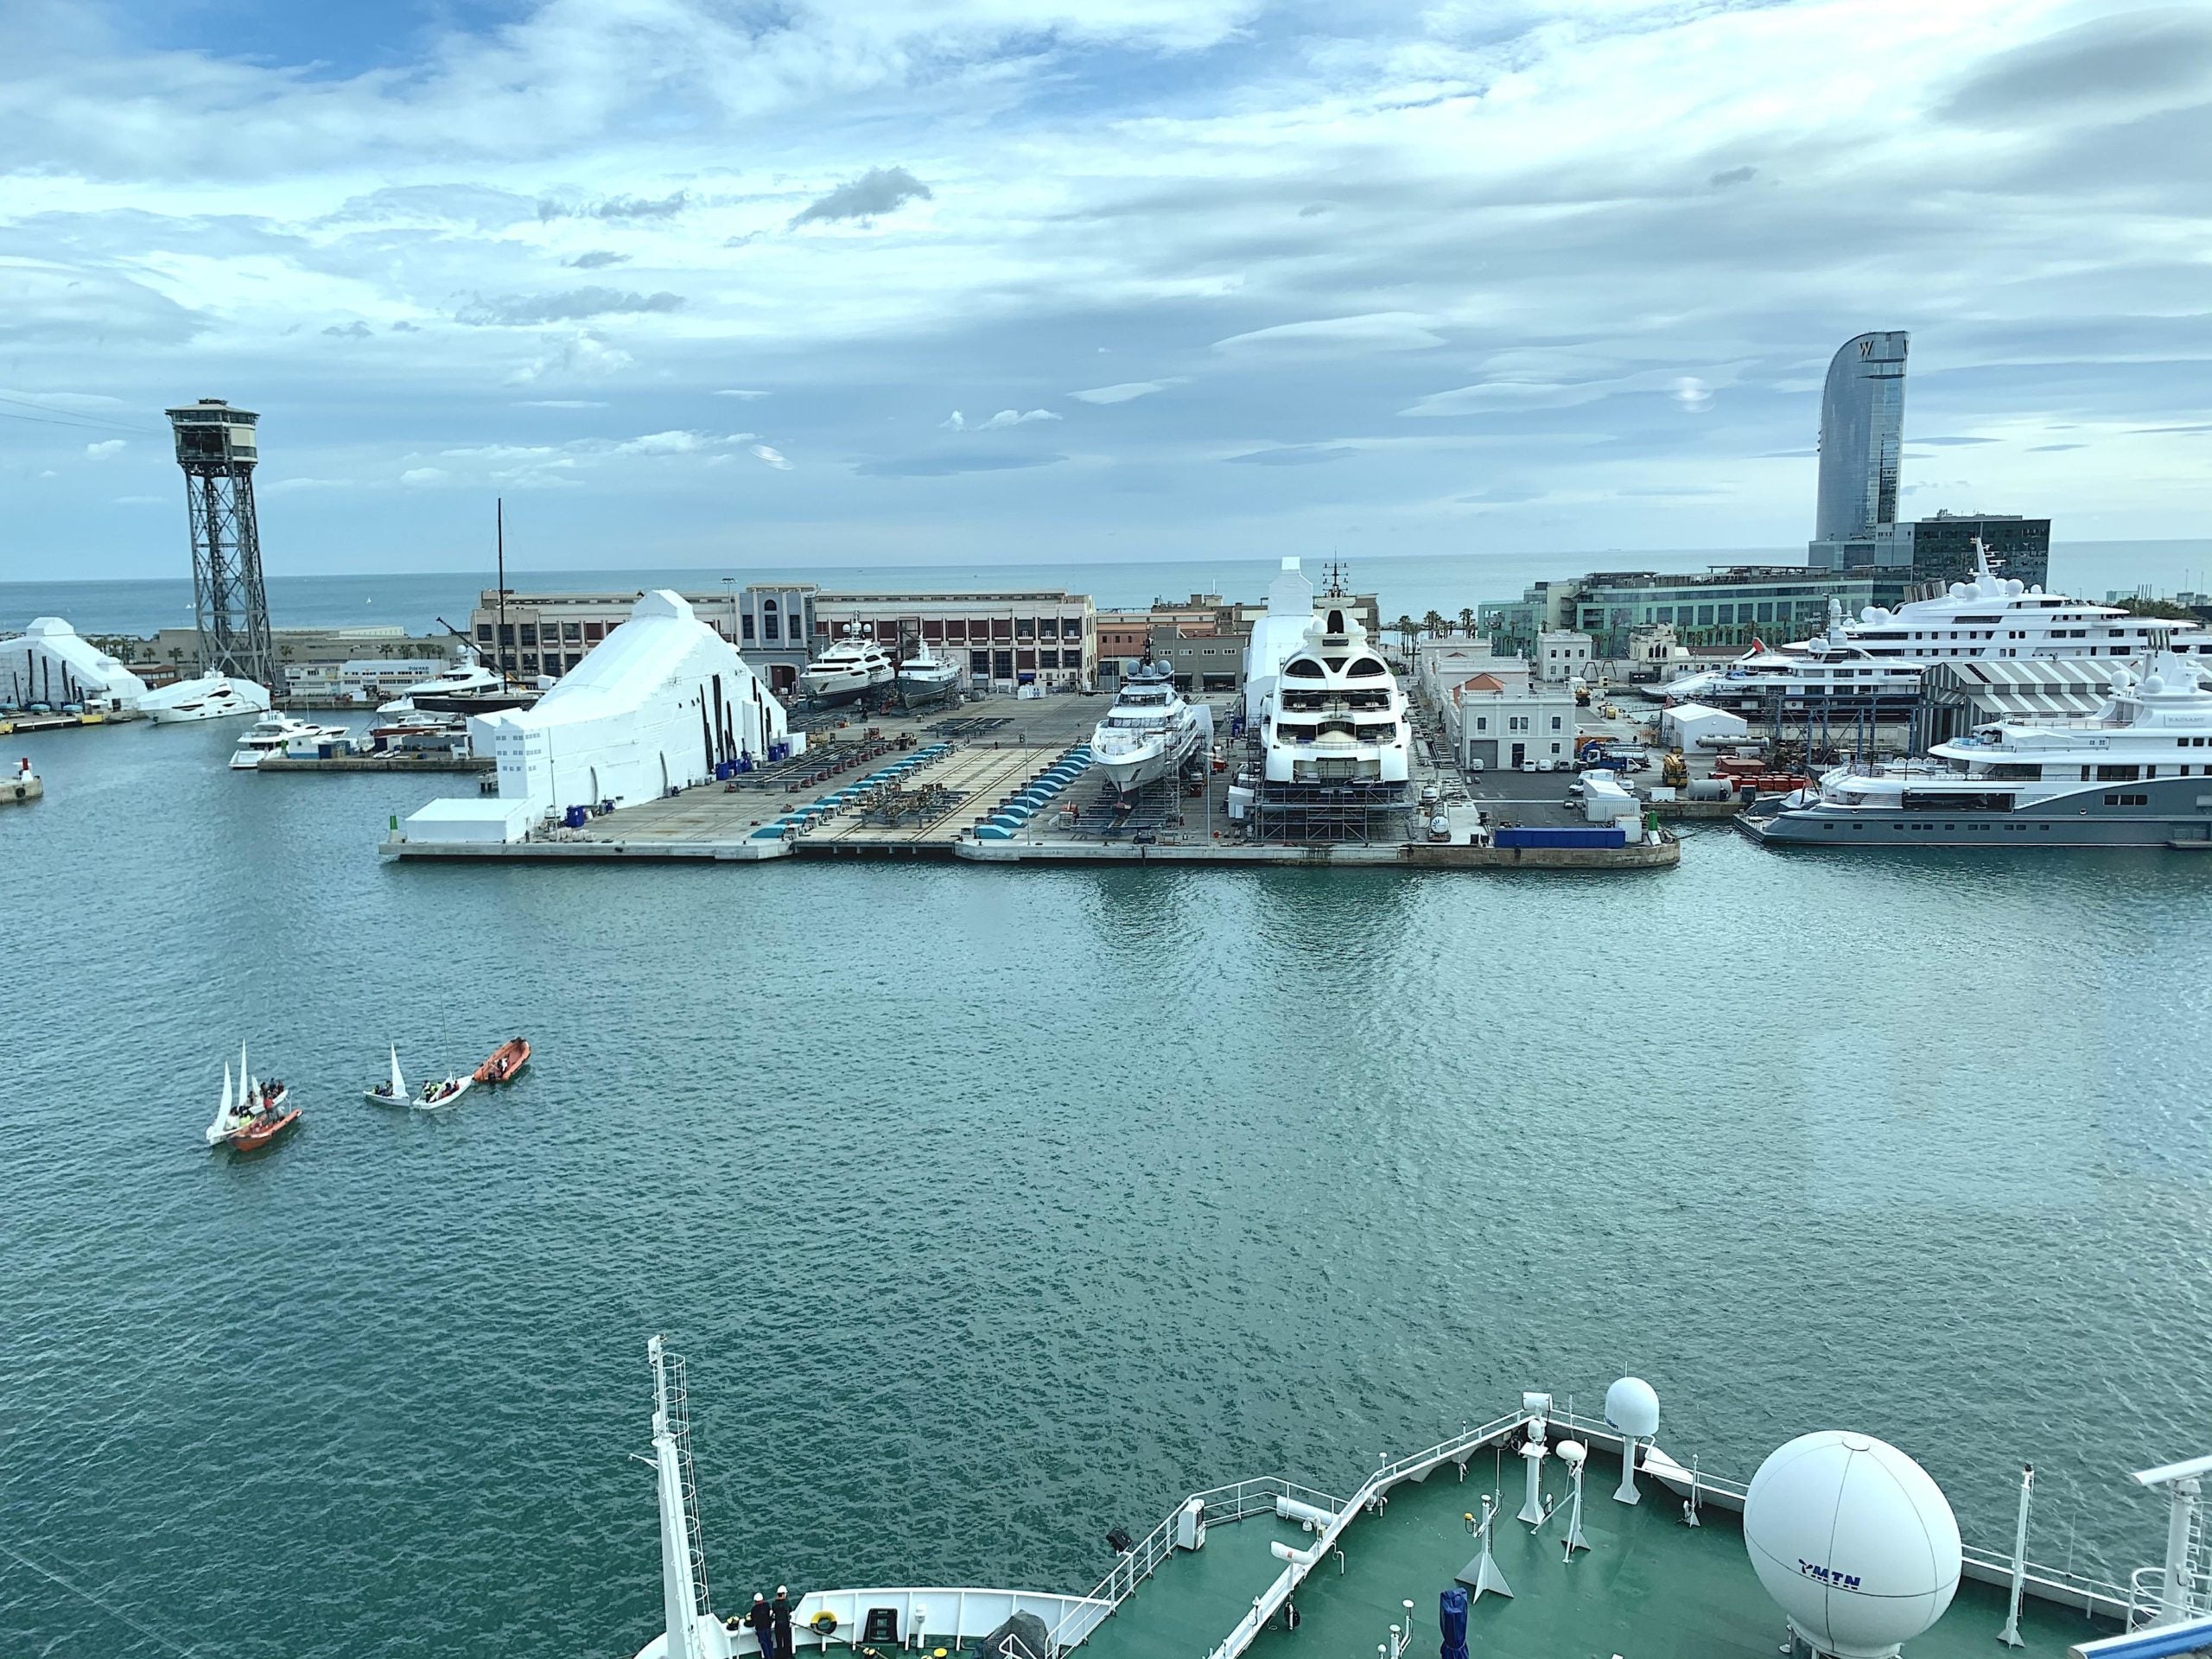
500	539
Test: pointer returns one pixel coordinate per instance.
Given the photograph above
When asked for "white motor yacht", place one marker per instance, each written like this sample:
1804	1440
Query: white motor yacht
1150	730
1876	662
215	696
467	677
848	671
280	733
2138	774
924	676
1337	715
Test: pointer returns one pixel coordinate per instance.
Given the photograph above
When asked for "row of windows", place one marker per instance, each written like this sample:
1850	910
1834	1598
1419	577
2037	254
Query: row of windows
1516	723
555	634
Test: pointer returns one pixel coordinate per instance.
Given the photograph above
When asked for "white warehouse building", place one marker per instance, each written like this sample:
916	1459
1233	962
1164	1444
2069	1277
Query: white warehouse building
50	662
656	706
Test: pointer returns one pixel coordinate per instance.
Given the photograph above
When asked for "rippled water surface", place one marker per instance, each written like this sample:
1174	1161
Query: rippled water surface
994	1207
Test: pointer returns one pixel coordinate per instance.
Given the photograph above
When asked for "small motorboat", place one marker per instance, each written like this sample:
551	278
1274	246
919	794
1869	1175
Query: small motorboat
442	1093
505	1062
264	1127
393	1091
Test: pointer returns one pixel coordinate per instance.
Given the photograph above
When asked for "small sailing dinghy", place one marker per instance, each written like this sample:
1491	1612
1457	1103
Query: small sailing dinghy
391	1092
442	1093
256	1117
508	1058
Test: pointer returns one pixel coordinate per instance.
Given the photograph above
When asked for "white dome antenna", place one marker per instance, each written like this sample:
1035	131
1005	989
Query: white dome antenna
1574	1455
1855	1542
1632	1407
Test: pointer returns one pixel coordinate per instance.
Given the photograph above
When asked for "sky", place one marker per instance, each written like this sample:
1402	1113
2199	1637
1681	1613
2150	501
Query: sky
689	282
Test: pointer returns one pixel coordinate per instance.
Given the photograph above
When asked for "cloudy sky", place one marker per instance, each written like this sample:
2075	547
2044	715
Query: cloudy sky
701	281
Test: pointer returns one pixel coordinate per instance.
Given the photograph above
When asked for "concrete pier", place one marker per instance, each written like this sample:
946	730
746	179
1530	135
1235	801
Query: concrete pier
937	808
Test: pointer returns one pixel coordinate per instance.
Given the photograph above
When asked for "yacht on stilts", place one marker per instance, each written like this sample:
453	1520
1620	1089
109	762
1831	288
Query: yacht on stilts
1151	730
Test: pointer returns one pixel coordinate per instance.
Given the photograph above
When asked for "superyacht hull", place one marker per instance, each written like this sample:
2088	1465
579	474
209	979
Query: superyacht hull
2173	812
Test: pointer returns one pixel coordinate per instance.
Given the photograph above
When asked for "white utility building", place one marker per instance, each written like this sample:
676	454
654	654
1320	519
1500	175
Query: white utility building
51	663
1277	636
1687	725
657	705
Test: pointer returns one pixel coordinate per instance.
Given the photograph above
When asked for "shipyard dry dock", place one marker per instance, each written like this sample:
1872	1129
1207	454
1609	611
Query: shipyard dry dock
946	784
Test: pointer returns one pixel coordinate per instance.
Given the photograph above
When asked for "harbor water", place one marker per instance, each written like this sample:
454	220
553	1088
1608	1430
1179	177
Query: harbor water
995	1208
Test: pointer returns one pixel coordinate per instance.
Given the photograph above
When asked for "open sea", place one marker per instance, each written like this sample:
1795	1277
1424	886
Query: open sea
994	1208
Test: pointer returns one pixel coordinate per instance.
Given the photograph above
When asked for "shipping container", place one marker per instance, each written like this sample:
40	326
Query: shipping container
1609	835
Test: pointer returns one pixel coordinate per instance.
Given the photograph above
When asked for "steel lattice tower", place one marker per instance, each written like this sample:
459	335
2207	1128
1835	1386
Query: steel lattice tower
216	446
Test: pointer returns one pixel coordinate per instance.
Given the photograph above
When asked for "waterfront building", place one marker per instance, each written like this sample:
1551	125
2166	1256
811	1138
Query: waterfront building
1940	549
51	663
1724	606
315	661
1862	437
658	704
1503	717
1001	639
1206	639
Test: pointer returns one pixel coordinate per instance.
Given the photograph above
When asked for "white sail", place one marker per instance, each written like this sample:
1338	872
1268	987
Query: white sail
398	1082
246	1085
222	1125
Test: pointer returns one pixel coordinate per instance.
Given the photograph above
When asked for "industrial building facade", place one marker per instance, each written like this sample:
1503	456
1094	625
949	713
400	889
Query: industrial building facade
1044	638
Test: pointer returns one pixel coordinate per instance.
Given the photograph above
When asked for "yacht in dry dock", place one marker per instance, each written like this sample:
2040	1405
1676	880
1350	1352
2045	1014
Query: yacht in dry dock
1150	730
2140	774
1337	715
1840	1544
848	671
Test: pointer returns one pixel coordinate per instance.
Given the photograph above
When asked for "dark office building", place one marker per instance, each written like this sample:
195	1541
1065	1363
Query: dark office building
1942	547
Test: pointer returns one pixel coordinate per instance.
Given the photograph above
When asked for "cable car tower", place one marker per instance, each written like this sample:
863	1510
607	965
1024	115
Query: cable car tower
215	445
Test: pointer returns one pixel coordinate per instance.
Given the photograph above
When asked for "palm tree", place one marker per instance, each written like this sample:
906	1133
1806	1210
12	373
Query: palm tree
1433	624
1407	628
1467	621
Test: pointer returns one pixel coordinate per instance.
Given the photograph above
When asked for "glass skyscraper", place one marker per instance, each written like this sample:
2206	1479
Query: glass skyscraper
1862	431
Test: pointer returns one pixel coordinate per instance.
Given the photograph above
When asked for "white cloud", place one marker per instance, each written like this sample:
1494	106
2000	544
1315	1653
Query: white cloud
421	475
1693	394
1380	331
999	423
562	402
734	391
1127	392
106	450
774	458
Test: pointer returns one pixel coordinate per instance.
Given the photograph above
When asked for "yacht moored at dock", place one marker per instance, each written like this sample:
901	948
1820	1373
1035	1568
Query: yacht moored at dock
2137	775
278	734
217	696
1874	665
1840	1540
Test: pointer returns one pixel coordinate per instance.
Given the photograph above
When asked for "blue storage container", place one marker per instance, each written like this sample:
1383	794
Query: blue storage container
1579	834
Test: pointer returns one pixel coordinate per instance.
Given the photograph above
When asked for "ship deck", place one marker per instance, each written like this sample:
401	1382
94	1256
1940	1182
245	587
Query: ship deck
1648	1587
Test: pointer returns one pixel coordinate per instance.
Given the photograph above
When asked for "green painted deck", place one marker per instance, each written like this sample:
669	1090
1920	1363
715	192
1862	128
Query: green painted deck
1648	1587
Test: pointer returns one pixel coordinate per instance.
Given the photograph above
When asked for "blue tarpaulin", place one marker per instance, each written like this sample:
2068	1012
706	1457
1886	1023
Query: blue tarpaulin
1451	1617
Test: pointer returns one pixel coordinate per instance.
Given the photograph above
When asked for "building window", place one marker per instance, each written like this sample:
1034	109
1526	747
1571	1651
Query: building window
745	628
1025	630
955	630
1555	722
1048	659
1070	627
573	659
529	633
484	631
770	624
1003	664
932	631
979	662
571	632
1024	659
530	662
506	633
1482	722
1002	628
1705	616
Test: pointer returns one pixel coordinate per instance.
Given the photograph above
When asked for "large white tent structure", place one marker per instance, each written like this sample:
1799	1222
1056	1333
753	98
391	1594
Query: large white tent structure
1277	636
657	706
50	662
